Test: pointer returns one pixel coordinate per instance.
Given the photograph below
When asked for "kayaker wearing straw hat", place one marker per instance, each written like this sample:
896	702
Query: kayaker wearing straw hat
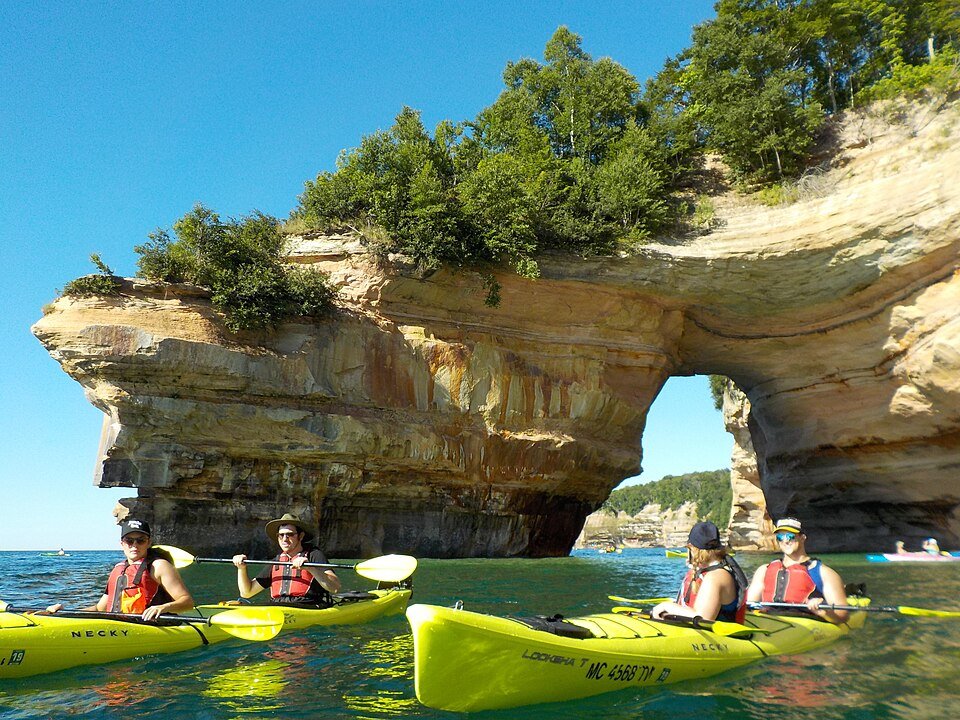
798	578
310	587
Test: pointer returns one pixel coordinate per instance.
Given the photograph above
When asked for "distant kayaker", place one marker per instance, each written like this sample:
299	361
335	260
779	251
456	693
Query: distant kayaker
145	582
901	550
295	585
798	578
705	593
931	546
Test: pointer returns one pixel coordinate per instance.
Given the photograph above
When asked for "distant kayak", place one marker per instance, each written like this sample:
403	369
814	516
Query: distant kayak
675	553
51	554
914	557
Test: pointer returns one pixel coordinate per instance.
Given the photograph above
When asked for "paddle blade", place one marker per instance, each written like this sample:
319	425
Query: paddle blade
921	612
252	623
181	558
387	568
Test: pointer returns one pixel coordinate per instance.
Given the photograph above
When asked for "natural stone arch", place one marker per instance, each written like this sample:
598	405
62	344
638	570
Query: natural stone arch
421	420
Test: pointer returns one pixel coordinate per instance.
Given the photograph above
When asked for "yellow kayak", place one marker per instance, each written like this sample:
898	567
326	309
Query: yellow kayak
31	644
352	609
466	661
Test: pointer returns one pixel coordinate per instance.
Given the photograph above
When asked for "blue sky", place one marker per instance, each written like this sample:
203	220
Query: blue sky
116	118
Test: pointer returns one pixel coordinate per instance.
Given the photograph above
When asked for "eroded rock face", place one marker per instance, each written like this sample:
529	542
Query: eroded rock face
420	420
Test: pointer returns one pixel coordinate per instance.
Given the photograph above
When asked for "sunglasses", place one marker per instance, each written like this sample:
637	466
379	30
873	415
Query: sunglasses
786	536
139	540
290	535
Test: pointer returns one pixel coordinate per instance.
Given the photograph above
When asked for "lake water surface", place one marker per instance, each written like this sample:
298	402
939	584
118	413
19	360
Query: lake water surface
896	667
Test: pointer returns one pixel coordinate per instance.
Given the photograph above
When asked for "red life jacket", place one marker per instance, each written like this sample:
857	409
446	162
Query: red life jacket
286	581
791	584
132	589
734	611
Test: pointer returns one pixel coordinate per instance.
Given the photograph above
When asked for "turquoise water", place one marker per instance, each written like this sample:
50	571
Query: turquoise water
896	667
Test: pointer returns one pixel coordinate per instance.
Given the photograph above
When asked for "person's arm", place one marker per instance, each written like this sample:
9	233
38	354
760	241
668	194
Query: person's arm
327	578
169	579
755	591
101	606
833	594
710	596
670	608
245	585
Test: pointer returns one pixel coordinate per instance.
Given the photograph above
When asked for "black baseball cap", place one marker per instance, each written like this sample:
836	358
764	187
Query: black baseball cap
705	535
130	526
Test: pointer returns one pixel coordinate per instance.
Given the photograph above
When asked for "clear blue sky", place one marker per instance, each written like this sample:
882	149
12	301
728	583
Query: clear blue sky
116	118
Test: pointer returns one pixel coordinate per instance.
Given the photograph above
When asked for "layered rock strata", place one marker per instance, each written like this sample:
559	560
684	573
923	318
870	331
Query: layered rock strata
420	420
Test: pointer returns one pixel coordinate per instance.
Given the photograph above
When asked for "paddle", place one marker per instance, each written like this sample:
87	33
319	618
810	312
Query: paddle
901	609
640	601
251	623
717	627
386	568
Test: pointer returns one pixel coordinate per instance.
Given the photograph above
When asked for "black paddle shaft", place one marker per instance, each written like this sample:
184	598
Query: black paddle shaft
801	606
271	562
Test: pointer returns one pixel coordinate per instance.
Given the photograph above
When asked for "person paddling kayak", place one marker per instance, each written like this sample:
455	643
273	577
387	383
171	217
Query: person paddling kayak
798	578
145	582
705	593
291	584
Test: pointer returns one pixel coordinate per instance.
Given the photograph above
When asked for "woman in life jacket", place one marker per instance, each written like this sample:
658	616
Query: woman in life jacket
714	587
145	583
798	578
292	585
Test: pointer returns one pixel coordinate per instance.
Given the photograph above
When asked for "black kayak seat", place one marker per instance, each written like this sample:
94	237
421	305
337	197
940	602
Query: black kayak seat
352	596
555	625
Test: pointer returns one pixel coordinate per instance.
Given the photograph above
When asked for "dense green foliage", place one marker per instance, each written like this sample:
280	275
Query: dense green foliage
710	490
103	282
240	261
717	385
562	159
573	156
762	75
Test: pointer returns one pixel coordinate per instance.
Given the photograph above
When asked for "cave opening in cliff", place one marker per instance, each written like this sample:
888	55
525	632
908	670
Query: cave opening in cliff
684	431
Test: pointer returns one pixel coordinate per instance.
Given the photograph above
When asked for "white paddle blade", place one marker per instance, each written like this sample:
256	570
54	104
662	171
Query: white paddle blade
388	568
181	558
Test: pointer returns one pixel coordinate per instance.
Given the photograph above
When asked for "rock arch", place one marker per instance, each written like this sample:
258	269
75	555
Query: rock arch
421	420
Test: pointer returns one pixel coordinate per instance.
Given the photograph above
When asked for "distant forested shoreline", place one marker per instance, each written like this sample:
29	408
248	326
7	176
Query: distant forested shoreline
710	490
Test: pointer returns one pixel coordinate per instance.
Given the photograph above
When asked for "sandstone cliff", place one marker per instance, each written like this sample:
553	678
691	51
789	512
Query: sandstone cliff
421	420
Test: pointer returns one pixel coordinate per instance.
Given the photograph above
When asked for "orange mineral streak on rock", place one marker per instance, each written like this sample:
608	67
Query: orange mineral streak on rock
418	419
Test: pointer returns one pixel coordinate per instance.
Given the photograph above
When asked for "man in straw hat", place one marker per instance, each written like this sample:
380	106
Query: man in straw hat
798	578
291	584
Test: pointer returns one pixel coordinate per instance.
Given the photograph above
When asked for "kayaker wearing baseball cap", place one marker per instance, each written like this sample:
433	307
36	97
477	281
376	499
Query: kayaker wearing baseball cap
296	585
145	582
798	578
703	592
